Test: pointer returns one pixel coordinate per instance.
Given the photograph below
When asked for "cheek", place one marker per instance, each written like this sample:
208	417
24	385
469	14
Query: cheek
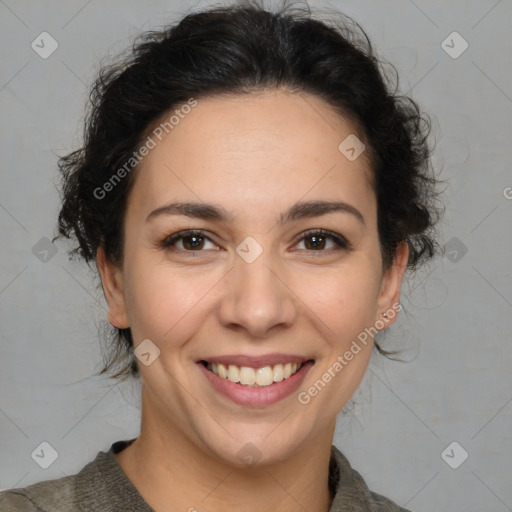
345	300
159	298
344	307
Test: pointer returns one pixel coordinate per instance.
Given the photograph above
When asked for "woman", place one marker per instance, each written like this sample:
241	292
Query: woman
252	195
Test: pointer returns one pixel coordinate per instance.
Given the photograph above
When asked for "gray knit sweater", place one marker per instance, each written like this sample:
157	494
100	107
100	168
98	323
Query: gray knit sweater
102	486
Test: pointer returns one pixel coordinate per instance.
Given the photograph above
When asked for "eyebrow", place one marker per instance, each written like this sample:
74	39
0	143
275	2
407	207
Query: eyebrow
300	210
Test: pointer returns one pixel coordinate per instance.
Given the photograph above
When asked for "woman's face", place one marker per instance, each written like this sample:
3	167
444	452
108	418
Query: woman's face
254	289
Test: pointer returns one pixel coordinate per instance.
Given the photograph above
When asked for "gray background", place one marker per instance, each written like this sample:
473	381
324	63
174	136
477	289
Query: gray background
457	327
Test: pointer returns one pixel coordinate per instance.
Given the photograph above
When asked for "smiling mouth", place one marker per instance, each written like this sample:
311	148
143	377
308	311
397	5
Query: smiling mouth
255	377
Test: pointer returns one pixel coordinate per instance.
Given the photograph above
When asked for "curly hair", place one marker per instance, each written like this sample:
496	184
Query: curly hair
238	50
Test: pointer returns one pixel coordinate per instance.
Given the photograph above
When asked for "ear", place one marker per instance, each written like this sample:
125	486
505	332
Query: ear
112	284
389	296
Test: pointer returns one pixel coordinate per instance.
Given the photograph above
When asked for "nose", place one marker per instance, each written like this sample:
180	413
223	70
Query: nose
257	297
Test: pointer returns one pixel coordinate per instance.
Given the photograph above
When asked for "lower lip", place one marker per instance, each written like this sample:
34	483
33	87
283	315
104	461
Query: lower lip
257	397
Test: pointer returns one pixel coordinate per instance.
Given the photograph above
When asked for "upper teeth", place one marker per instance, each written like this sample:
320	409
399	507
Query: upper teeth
254	377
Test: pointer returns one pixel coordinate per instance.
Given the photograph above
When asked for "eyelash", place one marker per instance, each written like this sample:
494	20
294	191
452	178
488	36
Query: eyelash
340	241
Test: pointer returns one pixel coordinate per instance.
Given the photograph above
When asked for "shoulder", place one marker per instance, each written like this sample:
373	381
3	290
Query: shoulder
351	491
57	494
65	494
383	504
100	485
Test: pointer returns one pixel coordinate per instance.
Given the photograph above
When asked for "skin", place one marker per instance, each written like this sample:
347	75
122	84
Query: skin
255	156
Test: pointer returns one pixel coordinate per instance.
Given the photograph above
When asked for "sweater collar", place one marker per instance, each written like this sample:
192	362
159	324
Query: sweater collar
108	479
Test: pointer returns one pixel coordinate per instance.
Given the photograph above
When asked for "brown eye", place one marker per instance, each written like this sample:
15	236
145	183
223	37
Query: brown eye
313	242
319	239
190	240
193	242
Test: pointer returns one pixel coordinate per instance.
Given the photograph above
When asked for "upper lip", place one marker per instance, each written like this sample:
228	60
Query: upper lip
256	361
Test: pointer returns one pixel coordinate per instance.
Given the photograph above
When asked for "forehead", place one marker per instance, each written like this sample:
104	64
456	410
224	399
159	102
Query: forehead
255	150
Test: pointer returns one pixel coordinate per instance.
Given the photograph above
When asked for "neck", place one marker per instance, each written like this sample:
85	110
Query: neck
201	482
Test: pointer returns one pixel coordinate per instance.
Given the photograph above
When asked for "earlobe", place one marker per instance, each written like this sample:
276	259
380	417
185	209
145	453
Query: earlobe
113	290
389	297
